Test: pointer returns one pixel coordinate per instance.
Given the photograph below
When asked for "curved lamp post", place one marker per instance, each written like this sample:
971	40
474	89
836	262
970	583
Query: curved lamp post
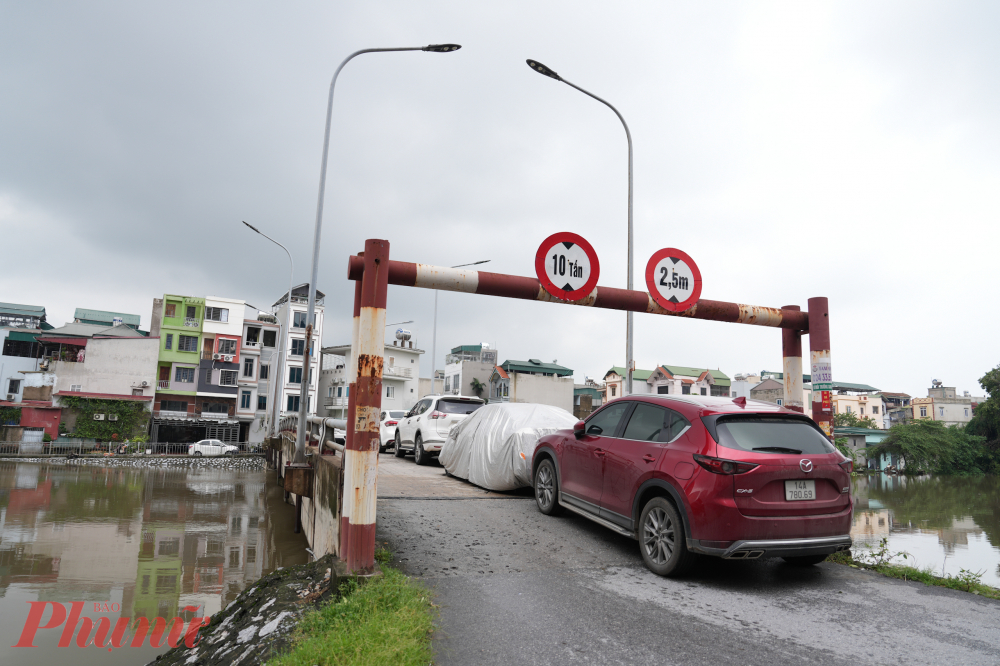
542	69
300	437
276	378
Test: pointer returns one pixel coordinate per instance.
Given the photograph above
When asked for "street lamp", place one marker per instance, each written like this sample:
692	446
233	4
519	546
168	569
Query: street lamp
277	379
300	436
542	69
435	333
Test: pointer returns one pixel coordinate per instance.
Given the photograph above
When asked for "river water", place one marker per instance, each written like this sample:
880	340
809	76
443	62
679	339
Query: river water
946	523
152	540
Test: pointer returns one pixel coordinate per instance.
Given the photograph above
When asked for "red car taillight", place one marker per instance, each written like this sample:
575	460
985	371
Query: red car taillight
391	423
721	466
438	415
847	466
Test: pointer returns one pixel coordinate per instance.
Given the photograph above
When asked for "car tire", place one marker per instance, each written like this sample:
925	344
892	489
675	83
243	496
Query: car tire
420	456
230	453
661	539
381	448
197	454
547	488
400	453
804	560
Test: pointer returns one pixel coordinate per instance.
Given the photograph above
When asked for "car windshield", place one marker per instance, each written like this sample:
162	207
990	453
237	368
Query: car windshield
763	434
458	406
396	415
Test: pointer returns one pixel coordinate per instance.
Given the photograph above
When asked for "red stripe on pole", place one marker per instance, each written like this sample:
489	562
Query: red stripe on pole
361	547
509	286
621	299
373	291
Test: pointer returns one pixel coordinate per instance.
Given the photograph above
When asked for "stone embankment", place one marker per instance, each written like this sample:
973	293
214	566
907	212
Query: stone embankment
251	462
258	624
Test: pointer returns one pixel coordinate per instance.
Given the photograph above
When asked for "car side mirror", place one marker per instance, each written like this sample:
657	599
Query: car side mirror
578	429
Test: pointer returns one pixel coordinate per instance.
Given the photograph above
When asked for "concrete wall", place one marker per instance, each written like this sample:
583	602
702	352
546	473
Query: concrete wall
460	376
10	367
555	391
321	513
38	385
113	365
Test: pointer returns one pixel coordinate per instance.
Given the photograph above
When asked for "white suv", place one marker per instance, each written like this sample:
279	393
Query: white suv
425	427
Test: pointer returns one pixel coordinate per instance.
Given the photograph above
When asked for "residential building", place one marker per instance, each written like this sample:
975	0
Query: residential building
20	352
258	363
742	383
15	315
614	382
769	390
400	377
682	380
587	397
292	317
466	363
532	381
859	440
897	409
944	404
105	318
859	399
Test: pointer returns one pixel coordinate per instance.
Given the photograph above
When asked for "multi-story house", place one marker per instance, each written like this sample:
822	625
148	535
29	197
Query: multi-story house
944	404
292	317
532	381
400	377
675	379
465	363
19	324
105	318
261	333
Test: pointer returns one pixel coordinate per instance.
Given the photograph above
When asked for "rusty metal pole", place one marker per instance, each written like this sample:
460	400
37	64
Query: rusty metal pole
822	374
791	366
361	453
351	373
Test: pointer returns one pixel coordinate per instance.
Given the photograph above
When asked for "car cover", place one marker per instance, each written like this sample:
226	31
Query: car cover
486	448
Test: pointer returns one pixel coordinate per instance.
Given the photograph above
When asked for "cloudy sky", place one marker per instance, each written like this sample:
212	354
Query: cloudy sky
847	150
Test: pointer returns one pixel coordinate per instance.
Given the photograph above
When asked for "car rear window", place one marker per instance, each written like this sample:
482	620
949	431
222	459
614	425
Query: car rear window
763	434
396	415
458	406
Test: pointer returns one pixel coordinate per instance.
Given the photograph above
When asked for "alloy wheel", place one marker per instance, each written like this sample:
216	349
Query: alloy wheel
658	536
545	485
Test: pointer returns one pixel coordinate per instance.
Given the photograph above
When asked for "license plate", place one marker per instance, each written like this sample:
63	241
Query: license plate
799	490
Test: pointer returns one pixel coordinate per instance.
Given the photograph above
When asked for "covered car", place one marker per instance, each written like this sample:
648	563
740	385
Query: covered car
492	448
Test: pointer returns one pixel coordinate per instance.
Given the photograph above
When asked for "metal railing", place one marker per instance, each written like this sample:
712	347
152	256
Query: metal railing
393	371
84	448
163	384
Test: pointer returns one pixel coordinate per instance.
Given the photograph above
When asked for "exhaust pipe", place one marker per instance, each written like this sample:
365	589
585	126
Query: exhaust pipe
745	555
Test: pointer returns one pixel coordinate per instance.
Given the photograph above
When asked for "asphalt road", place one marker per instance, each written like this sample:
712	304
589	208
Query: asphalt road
517	587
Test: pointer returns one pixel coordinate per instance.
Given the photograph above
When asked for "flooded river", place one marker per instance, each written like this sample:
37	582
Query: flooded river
947	523
151	540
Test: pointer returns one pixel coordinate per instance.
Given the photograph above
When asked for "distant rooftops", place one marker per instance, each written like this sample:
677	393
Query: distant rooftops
88	316
19	315
300	294
535	365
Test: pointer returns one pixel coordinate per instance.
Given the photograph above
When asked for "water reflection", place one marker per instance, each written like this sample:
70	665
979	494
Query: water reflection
152	540
946	523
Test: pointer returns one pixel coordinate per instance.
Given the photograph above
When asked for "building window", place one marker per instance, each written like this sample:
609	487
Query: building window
299	320
294	375
264	370
862	410
847	409
685	389
874	409
780	401
137	391
169	344
13	385
76	388
253	335
227	378
227	346
188	343
293	403
185	375
270	338
245	400
215	408
390	391
261	402
340	391
174	406
192	312
613	391
298	347
923	411
171	310
248	367
251	554
941	412
704	391
966	411
329	391
217	314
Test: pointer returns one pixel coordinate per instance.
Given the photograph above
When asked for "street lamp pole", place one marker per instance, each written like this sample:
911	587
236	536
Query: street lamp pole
277	378
542	69
300	437
435	333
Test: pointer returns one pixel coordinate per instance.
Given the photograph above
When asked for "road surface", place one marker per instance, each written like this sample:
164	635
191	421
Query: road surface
517	587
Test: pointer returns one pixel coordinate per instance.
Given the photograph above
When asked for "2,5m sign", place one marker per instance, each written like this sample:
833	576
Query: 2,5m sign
567	266
673	280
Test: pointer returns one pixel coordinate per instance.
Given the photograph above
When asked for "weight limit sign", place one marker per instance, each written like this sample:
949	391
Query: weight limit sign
567	266
673	280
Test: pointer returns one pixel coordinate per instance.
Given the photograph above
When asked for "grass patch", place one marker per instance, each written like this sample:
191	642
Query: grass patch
387	620
965	582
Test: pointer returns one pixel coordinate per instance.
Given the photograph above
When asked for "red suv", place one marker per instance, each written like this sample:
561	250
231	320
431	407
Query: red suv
733	478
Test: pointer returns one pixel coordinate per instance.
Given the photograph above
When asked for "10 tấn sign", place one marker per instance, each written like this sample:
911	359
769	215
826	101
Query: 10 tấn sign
673	279
567	266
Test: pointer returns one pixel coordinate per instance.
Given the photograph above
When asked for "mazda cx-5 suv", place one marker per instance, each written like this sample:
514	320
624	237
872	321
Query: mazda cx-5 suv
734	478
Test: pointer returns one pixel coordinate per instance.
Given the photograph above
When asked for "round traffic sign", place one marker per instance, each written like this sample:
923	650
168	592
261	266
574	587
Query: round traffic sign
567	266
673	279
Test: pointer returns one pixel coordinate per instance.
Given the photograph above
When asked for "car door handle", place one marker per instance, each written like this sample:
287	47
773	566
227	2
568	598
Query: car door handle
649	458
599	452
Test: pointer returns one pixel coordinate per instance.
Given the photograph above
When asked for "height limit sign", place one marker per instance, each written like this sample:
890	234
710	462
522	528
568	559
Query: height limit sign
567	266
673	280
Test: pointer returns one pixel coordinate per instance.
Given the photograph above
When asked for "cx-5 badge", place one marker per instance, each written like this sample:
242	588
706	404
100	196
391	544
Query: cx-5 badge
806	465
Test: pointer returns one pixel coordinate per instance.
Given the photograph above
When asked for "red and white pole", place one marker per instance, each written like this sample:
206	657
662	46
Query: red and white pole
351	373
357	523
791	365
822	374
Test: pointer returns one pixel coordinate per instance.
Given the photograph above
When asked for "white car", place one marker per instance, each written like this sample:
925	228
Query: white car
425	427
387	428
212	447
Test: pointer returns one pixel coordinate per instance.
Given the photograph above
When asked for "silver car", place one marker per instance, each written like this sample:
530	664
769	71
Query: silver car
212	447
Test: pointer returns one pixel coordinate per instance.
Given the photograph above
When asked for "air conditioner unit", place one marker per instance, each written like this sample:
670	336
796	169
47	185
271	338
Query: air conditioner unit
145	383
11	396
229	358
98	417
112	417
216	357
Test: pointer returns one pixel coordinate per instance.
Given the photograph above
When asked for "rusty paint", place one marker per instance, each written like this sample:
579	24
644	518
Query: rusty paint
819	354
759	316
586	301
791	353
369	365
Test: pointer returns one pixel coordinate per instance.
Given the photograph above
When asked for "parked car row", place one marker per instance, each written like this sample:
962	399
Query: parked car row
424	428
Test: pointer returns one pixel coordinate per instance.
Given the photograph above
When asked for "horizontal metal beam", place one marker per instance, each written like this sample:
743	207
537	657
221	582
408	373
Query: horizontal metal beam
425	276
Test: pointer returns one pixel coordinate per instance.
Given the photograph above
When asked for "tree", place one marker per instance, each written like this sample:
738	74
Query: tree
851	420
931	446
985	421
477	387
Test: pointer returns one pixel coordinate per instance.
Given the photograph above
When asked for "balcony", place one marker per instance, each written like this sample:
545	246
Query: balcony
221	416
335	402
168	414
251	345
163	384
192	323
393	371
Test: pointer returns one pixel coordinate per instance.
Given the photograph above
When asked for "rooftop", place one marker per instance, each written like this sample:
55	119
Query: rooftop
534	365
105	316
300	294
76	330
640	375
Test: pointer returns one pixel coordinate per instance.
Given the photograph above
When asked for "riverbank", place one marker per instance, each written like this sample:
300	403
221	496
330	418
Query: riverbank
967	581
246	462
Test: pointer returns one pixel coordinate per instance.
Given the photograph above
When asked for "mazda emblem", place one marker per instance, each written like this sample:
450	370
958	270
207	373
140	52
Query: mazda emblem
806	465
